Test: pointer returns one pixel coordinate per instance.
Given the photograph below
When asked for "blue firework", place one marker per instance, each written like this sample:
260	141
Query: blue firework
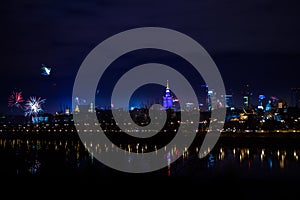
45	70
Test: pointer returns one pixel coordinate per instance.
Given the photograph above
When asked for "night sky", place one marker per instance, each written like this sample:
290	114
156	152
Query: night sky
252	42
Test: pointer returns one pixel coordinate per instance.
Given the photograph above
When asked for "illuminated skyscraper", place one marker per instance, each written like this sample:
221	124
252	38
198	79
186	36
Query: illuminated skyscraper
91	107
211	99
268	106
229	101
246	101
247	96
215	100
261	101
204	98
168	98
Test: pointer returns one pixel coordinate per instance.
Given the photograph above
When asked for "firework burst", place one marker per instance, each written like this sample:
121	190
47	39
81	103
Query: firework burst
46	70
15	100
33	106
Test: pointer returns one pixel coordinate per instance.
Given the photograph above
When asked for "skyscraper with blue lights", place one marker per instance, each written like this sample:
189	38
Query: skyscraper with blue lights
168	98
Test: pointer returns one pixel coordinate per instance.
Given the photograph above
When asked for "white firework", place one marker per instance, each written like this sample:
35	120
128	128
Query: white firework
33	106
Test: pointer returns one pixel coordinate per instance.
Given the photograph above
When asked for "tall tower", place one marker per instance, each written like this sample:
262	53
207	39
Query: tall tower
204	99
91	108
168	98
247	96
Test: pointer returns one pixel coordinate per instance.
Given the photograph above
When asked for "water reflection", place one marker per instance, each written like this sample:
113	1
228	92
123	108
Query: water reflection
267	158
47	157
19	156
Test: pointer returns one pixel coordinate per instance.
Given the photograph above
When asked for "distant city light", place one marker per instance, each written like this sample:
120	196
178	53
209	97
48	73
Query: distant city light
261	97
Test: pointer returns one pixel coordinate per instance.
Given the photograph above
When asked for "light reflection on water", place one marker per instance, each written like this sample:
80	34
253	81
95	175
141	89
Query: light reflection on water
18	157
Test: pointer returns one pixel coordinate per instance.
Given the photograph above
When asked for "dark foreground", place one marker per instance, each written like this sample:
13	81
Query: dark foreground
248	166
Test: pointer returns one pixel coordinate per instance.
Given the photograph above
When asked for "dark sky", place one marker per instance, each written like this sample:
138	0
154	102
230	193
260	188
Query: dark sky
252	42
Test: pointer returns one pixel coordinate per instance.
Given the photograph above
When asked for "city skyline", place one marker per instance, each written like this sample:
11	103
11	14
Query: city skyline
164	97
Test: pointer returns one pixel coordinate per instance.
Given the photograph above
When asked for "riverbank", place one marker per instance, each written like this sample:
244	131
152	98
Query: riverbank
74	135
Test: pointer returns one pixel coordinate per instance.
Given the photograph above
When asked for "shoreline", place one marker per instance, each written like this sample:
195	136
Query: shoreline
71	135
